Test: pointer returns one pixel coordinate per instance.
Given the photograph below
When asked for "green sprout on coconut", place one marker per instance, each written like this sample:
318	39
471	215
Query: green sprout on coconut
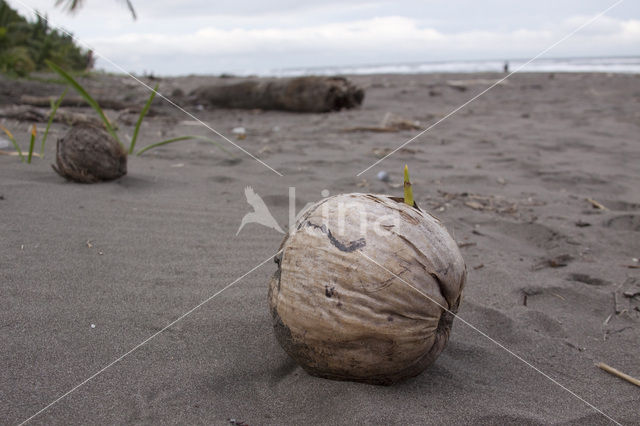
408	192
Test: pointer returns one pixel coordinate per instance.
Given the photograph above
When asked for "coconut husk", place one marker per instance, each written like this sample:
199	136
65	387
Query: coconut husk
88	154
302	94
339	308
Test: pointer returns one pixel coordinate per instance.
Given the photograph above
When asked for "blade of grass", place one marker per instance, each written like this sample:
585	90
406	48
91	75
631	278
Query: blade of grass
182	138
144	112
408	191
13	140
32	143
54	109
87	97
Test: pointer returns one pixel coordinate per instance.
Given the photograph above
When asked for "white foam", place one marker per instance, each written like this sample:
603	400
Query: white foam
606	65
4	143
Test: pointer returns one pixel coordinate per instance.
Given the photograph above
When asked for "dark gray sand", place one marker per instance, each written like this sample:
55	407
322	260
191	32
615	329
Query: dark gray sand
510	175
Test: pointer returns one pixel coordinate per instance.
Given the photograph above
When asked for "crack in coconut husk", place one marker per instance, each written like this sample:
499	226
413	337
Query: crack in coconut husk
347	248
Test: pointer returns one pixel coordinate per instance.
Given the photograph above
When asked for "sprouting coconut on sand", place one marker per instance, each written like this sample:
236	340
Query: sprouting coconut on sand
90	153
366	288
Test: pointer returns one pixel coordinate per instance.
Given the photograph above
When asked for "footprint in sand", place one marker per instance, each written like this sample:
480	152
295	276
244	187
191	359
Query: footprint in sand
502	160
493	322
621	206
221	179
539	236
567	304
627	222
588	280
507	419
467	179
570	179
228	161
541	323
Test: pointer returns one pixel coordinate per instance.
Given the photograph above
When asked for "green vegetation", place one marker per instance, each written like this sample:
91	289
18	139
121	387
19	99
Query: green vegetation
54	108
32	141
26	46
13	141
408	191
143	113
107	124
87	97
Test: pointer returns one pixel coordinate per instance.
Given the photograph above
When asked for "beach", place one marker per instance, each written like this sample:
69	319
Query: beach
538	180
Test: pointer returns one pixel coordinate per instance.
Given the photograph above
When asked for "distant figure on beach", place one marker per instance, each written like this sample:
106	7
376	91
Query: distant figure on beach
91	61
506	67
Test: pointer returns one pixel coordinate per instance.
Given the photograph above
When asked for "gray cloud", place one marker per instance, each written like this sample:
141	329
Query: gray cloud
210	36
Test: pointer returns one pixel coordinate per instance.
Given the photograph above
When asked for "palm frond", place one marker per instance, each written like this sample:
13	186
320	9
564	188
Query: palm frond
131	9
144	112
70	5
74	5
86	96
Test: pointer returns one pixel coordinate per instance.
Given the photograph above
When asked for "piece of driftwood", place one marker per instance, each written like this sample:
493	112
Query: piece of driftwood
596	204
27	113
302	94
618	373
74	118
16	154
23	113
45	101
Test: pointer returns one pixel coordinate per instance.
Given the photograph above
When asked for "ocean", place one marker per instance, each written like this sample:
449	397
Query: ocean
629	65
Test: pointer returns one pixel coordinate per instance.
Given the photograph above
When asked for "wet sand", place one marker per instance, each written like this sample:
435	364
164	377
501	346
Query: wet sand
511	175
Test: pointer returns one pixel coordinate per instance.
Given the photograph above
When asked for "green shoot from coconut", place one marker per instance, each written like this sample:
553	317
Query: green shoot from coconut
54	108
408	192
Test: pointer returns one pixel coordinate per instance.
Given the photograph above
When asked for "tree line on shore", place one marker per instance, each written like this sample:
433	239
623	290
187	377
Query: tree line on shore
25	45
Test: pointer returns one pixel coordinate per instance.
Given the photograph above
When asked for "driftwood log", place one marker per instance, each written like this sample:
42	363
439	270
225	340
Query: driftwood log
45	101
89	154
366	289
23	113
41	115
302	94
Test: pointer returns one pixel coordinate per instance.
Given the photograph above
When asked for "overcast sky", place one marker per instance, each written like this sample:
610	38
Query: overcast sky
208	36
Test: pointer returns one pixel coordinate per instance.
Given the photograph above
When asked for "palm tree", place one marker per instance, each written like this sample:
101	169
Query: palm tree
73	5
